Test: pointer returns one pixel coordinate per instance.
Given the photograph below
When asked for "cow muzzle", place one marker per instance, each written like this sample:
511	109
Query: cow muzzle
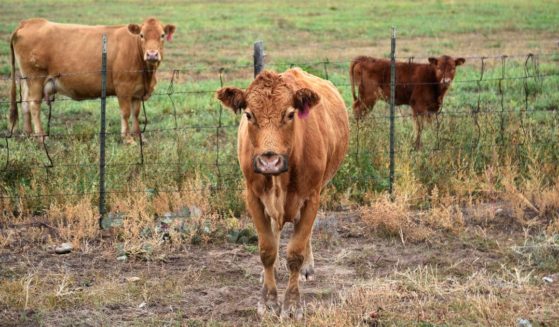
152	56
270	163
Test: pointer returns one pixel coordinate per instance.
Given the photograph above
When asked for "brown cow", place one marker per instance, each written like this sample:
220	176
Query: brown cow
292	139
66	59
422	86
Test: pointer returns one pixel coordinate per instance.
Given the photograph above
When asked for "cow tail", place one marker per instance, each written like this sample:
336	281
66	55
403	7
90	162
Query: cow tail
13	104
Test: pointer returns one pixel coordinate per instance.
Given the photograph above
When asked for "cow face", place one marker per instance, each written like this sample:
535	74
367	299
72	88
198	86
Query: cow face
445	68
152	36
270	108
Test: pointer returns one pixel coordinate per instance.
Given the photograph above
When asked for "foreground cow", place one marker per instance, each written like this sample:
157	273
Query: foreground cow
292	139
66	59
422	86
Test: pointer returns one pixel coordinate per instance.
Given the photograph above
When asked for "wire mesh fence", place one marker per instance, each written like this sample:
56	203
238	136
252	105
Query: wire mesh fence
500	111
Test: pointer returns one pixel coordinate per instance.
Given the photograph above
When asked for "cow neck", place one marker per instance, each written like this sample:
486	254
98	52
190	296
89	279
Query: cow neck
147	74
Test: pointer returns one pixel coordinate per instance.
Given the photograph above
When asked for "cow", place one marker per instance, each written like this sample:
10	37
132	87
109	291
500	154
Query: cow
421	86
292	138
66	59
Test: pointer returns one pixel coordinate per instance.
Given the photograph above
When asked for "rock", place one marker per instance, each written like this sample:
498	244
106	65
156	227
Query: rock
499	211
548	279
63	248
142	305
524	323
132	279
122	258
195	211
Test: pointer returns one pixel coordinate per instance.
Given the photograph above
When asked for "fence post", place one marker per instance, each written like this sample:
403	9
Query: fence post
102	209
258	57
392	110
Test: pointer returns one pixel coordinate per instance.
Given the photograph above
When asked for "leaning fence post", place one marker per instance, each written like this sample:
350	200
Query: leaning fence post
258	57
102	209
392	103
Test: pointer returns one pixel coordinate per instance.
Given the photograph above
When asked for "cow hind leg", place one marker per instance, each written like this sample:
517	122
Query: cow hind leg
25	107
297	249
35	95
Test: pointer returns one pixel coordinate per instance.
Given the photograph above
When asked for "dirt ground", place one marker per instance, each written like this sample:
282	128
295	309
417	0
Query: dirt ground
218	284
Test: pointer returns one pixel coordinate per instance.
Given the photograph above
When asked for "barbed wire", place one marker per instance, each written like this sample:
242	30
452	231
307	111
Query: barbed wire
531	71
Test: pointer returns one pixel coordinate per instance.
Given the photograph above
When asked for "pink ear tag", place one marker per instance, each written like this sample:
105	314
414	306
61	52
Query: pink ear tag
170	37
305	112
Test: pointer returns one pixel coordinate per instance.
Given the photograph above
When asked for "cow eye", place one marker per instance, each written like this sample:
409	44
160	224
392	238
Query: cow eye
142	35
162	36
249	116
291	115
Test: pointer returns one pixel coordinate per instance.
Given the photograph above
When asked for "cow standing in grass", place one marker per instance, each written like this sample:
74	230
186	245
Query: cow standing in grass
292	138
63	58
421	86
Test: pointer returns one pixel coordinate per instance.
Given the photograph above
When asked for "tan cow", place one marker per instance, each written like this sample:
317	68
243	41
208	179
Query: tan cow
66	59
292	139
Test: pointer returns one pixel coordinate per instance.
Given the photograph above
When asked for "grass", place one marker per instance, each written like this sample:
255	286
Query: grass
486	179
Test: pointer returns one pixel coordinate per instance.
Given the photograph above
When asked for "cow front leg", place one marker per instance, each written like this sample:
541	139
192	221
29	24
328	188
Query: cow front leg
136	108
418	119
297	249
125	103
268	247
307	270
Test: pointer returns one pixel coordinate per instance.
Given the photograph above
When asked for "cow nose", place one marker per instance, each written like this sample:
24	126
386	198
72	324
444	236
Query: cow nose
270	163
152	55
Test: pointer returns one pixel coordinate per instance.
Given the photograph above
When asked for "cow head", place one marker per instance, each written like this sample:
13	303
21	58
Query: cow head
445	68
152	35
271	108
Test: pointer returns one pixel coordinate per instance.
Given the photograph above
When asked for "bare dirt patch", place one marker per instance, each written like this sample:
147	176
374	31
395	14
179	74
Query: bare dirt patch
218	284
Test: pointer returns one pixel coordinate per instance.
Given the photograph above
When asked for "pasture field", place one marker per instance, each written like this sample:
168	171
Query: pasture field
470	238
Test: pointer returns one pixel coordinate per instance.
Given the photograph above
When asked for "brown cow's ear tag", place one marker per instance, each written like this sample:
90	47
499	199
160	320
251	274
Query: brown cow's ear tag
304	112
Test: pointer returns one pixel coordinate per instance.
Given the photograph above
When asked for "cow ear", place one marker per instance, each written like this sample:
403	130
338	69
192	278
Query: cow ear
433	60
459	61
134	29
232	97
303	100
169	31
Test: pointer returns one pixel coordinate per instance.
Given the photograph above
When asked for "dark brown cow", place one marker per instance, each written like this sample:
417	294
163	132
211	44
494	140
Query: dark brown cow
66	59
292	139
422	86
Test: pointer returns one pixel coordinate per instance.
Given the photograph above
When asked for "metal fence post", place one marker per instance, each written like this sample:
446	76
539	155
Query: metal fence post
258	57
102	209
392	103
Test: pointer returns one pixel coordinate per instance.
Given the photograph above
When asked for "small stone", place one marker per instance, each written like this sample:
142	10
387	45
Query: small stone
524	323
63	248
142	305
122	258
132	279
548	279
195	211
499	211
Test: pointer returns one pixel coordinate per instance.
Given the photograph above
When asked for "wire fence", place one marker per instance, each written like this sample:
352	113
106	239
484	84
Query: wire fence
508	111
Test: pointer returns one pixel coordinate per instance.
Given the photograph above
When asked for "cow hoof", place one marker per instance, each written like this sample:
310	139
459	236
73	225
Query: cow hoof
306	274
292	311
128	140
270	306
